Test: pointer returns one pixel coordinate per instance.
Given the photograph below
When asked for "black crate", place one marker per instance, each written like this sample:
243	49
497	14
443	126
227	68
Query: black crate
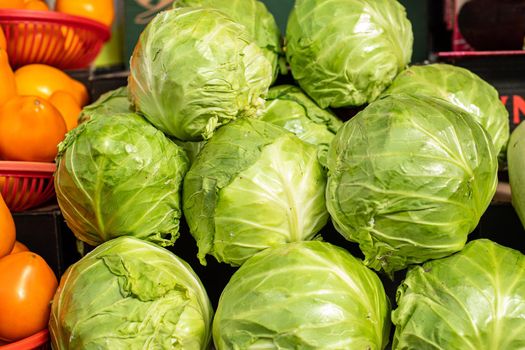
44	232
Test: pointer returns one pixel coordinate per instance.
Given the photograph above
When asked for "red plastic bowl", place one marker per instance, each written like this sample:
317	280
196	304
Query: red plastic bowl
57	39
38	341
25	185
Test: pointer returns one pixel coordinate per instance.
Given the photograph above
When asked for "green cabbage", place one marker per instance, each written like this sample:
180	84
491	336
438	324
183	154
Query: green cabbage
120	176
516	169
303	295
461	88
346	52
288	107
409	178
255	17
195	69
130	294
109	103
254	185
472	300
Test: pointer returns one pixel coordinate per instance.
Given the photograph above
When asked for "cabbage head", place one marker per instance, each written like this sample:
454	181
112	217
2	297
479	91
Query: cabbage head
472	300
346	52
409	178
462	88
255	17
254	185
303	295
109	103
130	294
288	107
516	169
120	176
195	69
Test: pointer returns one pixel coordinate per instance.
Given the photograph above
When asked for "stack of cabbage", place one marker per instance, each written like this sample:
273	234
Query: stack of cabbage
257	171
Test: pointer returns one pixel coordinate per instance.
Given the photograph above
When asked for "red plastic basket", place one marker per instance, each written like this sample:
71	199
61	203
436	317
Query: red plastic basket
57	39
38	341
25	185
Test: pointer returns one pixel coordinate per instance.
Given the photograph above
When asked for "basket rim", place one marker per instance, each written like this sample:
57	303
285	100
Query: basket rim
29	167
21	15
30	342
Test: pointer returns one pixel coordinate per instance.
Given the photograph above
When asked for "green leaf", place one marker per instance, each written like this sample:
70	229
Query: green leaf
254	185
120	176
130	294
463	89
346	52
195	69
472	300
302	295
409	178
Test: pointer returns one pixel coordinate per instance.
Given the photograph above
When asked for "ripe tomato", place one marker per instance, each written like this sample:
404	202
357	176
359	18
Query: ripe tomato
7	229
27	286
11	4
30	129
41	80
99	10
67	106
36	5
3	43
7	80
19	247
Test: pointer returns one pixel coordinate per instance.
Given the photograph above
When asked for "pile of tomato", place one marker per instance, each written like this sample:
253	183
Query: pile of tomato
27	285
99	10
39	104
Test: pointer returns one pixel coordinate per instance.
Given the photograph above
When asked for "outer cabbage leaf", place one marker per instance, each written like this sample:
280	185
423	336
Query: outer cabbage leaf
303	295
253	186
346	52
409	178
462	88
109	103
288	107
255	17
472	300
130	294
195	69
120	176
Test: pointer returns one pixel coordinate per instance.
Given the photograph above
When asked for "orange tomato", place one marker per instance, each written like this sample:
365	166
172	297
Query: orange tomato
3	44
19	247
67	106
7	229
11	4
30	129
7	82
42	80
27	286
99	10
36	5
80	92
